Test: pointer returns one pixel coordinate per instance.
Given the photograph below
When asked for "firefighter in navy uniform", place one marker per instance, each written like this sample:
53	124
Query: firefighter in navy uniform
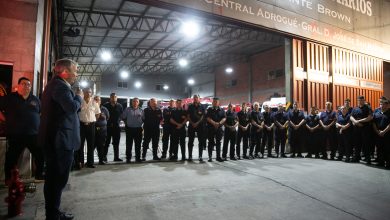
230	133
360	118
215	119
296	120
268	132
344	132
281	122
381	127
312	137
167	129
243	131
101	130
113	130
196	115
373	133
152	118
178	122
257	123
382	100
328	134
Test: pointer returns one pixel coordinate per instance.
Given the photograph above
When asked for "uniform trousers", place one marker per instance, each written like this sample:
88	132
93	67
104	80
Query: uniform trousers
200	132
229	136
280	140
244	136
151	134
114	133
214	138
133	135
167	135
178	137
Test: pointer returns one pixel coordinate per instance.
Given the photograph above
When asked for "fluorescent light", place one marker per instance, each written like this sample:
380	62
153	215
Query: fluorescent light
83	83
190	28
229	70
191	81
124	74
138	84
106	55
165	87
183	62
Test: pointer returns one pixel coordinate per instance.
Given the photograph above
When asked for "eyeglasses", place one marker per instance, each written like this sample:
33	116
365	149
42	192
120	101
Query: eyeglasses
26	84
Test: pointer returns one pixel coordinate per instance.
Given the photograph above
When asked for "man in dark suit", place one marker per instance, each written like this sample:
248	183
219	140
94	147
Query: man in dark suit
59	134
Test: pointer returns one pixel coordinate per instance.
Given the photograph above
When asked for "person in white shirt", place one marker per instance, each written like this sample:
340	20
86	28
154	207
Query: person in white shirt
89	111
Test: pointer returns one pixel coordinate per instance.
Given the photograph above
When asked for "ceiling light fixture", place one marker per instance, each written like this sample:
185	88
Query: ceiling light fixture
229	70
106	55
124	74
84	84
191	81
190	28
183	62
138	84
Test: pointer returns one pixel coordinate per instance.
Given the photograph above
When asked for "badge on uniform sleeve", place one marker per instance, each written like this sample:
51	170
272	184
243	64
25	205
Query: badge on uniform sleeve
33	103
199	113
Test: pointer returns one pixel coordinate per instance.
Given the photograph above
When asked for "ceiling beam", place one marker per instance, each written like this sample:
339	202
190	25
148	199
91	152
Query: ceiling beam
144	23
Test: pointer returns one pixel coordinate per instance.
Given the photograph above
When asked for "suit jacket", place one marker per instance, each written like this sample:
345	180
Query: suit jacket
60	124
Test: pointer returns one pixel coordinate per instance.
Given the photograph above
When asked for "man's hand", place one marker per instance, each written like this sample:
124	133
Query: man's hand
79	92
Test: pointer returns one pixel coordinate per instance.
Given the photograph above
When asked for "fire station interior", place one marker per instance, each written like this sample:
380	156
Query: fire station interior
148	49
144	51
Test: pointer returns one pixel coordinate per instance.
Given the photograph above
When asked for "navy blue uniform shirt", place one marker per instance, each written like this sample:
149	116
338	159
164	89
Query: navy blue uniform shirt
312	120
348	113
195	112
267	118
115	114
167	115
179	115
382	119
22	115
361	112
104	116
231	118
343	120
257	117
280	117
295	116
327	117
216	114
243	118
152	118
377	110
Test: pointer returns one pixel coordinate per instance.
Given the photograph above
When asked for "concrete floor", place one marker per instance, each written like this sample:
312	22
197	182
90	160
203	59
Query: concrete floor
247	189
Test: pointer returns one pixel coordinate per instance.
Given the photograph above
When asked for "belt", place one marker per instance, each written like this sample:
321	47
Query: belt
87	123
100	127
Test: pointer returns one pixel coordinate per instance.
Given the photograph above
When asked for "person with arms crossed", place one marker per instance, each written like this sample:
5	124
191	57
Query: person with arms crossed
22	116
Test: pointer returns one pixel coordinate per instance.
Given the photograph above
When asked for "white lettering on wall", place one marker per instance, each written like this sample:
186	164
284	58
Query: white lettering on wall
334	14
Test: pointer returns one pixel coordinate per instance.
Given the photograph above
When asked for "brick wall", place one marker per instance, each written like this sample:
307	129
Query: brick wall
17	47
17	37
263	88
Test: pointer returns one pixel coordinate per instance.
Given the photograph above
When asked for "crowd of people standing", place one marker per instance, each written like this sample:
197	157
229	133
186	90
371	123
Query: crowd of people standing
349	134
55	128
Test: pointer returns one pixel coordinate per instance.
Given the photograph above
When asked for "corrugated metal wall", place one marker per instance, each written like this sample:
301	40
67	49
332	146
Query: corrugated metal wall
356	74
299	74
317	75
322	73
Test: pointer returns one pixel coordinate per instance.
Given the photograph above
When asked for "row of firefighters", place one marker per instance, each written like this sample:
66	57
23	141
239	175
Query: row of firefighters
348	133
